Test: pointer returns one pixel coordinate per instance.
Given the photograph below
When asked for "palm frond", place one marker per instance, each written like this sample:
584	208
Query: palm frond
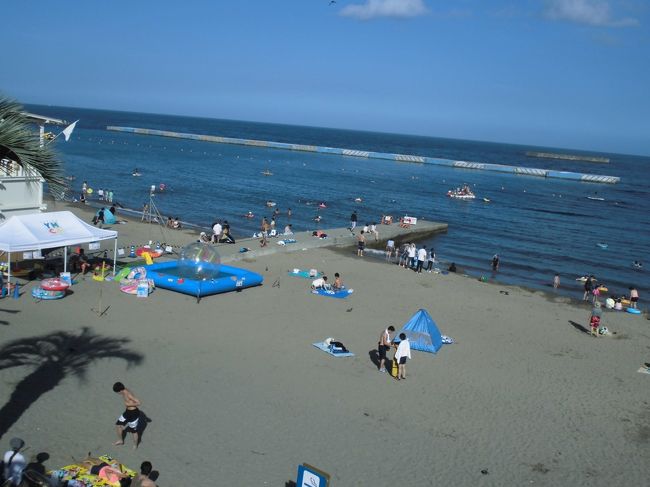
17	140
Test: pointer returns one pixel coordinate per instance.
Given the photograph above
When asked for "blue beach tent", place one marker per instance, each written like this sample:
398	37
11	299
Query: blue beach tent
422	332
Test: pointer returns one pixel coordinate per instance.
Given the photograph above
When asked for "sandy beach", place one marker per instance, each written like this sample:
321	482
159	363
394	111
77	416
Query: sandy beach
237	394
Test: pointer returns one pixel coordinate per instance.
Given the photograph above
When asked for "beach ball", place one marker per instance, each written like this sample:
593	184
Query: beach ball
200	260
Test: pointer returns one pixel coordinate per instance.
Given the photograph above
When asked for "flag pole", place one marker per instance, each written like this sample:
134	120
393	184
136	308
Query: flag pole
67	132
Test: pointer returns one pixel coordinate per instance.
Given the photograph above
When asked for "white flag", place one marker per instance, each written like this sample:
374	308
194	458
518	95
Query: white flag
67	132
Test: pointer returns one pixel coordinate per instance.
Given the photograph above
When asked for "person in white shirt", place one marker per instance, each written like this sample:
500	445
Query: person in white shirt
318	283
288	230
390	249
412	256
216	232
14	463
373	230
402	353
422	256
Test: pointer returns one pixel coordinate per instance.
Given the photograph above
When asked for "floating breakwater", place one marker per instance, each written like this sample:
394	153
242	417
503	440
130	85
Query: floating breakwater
479	166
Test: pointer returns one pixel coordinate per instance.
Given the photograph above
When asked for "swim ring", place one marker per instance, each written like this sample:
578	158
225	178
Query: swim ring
135	274
130	286
603	289
89	191
54	284
40	293
152	252
634	311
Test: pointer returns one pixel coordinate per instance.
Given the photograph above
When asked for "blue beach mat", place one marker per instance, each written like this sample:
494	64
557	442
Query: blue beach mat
325	348
342	294
305	274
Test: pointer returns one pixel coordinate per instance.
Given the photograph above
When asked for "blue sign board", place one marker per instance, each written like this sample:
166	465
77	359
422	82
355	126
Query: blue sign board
309	476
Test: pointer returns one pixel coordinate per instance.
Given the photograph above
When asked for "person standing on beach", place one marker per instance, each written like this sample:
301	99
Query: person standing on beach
84	188
431	259
390	248
589	286
402	353
383	346
422	256
634	297
412	256
145	210
361	244
495	263
353	221
129	419
556	281
374	231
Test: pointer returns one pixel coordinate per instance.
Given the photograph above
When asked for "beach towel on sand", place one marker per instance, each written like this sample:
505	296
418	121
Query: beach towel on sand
327	349
342	294
304	274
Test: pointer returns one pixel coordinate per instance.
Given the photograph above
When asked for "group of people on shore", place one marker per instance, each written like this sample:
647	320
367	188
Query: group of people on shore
593	290
410	257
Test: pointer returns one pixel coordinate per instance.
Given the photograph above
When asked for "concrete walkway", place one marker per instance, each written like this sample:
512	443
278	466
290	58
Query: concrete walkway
337	237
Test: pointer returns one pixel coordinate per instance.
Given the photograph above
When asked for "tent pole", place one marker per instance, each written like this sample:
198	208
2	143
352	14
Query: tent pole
65	259
8	271
114	257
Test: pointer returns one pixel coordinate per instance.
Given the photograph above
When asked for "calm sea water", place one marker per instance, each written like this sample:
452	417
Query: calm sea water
537	226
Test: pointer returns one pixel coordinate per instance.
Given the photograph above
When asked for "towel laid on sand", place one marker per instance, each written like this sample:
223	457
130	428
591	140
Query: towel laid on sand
342	294
304	274
327	349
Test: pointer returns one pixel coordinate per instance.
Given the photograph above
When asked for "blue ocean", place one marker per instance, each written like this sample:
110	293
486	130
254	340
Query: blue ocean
537	226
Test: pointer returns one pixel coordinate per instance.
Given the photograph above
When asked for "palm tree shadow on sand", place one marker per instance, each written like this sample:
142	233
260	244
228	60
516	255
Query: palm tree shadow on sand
54	357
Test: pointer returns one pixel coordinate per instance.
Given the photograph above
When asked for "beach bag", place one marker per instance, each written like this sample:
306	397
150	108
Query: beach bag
394	370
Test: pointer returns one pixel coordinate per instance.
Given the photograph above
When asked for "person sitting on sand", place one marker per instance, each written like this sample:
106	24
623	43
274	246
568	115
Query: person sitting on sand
226	237
170	222
288	230
318	283
143	480
176	224
82	260
14	463
452	267
203	238
338	284
103	470
618	305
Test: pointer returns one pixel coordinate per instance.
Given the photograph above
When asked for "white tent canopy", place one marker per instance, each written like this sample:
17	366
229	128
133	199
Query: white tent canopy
39	231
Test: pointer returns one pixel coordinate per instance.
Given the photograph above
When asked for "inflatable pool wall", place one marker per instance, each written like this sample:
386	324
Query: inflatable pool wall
229	279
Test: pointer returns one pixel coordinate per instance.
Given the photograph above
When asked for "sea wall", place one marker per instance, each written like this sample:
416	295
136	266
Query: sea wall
479	166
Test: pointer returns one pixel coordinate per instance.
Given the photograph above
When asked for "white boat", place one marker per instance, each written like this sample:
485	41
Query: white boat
461	194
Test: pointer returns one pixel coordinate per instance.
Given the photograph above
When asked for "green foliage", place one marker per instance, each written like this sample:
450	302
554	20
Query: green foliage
19	142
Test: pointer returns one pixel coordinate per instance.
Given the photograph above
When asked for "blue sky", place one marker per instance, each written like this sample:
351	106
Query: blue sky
564	73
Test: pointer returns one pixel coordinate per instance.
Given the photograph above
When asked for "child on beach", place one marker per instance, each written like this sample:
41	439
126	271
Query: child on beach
129	419
556	281
402	353
338	284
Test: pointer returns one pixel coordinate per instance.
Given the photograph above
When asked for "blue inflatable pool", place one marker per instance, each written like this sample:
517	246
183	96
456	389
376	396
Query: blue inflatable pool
221	279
